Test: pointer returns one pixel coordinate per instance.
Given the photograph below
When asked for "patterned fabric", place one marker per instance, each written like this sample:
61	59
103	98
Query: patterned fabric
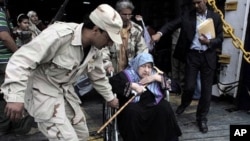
135	45
5	53
22	37
123	61
34	28
133	76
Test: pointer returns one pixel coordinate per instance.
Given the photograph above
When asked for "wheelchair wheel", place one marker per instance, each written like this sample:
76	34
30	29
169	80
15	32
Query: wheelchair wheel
110	131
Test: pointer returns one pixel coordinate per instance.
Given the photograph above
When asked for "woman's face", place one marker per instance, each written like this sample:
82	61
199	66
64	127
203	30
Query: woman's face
145	70
34	19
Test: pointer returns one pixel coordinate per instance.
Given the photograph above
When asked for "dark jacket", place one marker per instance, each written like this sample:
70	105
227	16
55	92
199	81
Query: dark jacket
187	23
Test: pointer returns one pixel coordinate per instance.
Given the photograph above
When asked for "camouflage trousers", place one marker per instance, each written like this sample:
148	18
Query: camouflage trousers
67	131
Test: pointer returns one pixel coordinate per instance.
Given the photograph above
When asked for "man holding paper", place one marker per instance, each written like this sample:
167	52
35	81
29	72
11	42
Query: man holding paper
198	51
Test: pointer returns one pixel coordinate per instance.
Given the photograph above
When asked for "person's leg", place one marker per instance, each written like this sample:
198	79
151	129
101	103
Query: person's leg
72	129
181	73
164	126
2	72
178	67
178	72
58	132
131	123
197	92
190	83
175	69
23	126
191	71
206	75
20	127
4	121
78	121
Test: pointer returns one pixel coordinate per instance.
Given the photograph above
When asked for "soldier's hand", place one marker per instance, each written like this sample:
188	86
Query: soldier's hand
114	103
14	110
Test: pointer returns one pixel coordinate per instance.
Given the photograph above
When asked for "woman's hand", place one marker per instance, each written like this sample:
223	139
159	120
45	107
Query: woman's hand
139	89
149	79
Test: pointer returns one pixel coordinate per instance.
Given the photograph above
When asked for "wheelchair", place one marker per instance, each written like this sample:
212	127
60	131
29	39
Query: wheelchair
110	131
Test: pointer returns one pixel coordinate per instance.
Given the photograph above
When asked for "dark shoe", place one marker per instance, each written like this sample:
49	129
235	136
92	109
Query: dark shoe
203	126
180	110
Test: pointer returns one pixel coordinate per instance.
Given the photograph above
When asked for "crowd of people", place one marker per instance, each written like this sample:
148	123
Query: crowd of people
40	65
12	39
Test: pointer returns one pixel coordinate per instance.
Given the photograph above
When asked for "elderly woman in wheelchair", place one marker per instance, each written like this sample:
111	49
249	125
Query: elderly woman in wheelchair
148	117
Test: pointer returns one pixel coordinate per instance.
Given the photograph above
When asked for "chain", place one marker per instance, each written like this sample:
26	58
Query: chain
229	30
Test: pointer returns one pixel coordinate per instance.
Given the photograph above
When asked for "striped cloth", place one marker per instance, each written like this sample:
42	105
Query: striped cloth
5	53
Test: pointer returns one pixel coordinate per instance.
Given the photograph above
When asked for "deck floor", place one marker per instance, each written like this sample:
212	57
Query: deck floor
222	114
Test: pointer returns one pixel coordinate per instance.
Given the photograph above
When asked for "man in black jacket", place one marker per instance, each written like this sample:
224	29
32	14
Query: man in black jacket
198	51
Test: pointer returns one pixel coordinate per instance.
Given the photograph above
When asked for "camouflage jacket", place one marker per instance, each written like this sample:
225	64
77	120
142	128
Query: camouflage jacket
136	45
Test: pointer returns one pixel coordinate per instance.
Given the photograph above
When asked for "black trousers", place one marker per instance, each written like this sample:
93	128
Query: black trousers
4	121
197	62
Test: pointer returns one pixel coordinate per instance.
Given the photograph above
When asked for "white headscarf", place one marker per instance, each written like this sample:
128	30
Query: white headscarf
32	26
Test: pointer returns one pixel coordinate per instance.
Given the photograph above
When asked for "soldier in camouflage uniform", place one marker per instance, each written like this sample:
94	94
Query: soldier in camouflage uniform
116	57
40	75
